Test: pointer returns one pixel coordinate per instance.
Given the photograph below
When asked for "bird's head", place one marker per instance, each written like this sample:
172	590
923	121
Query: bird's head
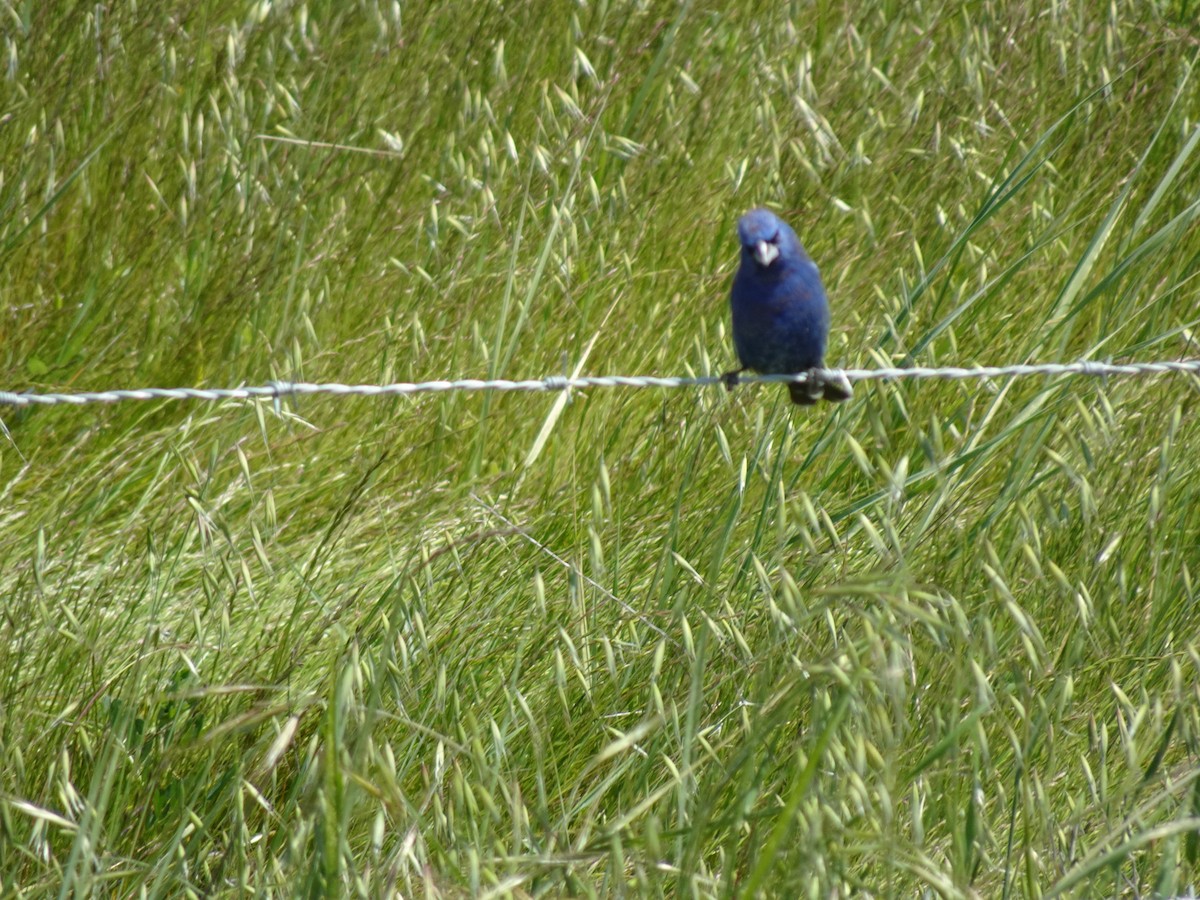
764	237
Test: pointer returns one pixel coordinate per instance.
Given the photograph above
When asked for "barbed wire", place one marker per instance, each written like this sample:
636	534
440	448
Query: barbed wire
283	389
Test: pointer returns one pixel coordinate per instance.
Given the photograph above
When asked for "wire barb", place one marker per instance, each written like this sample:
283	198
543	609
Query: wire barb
277	390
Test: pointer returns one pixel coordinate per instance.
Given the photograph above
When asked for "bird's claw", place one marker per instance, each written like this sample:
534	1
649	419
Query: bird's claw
732	379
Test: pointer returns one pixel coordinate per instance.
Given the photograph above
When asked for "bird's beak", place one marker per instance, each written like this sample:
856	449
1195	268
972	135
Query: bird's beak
765	253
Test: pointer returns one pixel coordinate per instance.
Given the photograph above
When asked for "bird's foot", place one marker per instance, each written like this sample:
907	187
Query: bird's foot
732	378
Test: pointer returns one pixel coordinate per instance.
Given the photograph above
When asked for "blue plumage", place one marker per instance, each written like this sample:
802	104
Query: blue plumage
780	313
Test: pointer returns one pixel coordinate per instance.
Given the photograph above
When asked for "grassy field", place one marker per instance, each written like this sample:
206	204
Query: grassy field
938	641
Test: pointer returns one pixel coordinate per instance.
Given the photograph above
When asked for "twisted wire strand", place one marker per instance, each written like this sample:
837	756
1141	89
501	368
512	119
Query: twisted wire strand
282	389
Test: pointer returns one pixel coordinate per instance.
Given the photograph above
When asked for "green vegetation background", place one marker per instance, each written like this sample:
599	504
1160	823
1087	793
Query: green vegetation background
942	640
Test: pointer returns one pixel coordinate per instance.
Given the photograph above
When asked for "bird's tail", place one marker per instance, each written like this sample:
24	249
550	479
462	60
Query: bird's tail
832	388
804	393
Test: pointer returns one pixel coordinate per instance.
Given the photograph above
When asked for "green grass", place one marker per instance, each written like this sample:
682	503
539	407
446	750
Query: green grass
942	640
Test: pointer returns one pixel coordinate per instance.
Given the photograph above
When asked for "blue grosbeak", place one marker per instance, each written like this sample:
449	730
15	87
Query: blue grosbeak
780	313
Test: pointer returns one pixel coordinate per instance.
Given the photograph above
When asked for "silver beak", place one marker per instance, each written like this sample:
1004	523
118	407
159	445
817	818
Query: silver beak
765	253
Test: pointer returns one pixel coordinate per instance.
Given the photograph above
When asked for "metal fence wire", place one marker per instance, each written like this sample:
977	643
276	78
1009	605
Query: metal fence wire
284	389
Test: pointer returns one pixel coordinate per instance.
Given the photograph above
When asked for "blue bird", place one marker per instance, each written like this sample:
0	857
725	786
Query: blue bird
780	313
